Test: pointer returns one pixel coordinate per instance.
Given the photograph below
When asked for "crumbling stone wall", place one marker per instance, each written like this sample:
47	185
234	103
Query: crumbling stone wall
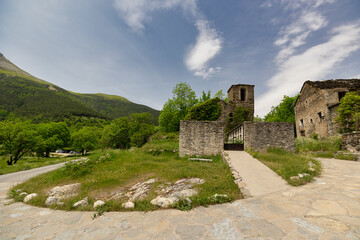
351	142
201	138
260	136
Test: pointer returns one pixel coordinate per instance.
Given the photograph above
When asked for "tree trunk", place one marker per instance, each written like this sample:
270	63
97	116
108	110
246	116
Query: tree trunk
10	162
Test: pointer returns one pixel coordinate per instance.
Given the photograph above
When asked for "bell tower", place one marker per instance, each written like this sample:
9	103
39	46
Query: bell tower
242	95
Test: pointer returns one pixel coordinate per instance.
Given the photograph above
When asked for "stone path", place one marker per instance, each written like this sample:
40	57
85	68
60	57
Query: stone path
257	178
326	209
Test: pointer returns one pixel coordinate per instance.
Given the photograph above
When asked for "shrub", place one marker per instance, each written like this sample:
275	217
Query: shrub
210	110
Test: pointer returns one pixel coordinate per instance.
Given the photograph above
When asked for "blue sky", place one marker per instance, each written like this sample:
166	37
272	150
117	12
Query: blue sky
140	49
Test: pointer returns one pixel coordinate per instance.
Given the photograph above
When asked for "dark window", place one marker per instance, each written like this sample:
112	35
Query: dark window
242	94
341	95
321	117
311	121
301	122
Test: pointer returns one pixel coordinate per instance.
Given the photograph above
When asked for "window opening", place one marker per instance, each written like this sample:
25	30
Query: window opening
242	94
341	95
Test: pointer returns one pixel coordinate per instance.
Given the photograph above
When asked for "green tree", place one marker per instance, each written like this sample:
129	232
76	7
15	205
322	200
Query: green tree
176	108
51	137
205	96
117	134
349	112
85	139
140	128
220	95
284	112
17	138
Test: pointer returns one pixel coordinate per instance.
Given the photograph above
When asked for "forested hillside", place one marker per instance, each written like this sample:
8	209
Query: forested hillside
25	95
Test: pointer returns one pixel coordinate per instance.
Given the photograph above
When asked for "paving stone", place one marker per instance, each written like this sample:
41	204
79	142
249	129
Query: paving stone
190	231
224	230
268	229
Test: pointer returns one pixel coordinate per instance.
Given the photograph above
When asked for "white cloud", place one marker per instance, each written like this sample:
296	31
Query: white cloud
313	64
208	45
266	4
357	76
208	42
295	34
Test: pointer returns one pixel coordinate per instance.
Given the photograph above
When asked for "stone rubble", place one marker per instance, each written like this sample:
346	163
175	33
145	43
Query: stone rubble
23	194
81	203
99	203
128	205
59	193
30	197
181	189
140	190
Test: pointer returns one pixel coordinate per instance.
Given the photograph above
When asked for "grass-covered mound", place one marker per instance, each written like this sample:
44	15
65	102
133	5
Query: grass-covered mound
289	165
101	177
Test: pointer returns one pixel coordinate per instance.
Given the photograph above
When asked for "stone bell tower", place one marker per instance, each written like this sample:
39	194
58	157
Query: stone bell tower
242	95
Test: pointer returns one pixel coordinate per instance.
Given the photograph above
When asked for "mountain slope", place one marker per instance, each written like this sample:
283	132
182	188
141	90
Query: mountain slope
26	95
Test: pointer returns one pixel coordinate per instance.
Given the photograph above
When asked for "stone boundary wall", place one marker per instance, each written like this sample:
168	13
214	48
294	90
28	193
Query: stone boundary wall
260	136
351	142
201	138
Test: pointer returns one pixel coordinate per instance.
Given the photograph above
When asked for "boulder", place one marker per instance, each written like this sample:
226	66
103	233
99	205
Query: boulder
140	190
23	194
65	191
98	203
81	203
128	205
52	201
163	202
29	197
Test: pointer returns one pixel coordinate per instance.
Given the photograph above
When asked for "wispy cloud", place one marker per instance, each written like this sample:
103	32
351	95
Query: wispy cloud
208	42
313	64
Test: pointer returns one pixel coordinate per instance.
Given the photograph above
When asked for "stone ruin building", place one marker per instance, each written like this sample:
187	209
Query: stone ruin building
208	137
316	107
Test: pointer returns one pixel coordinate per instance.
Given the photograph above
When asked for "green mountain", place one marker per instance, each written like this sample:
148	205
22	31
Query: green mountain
25	95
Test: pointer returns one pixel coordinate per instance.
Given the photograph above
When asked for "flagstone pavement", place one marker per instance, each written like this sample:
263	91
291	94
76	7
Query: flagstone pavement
328	208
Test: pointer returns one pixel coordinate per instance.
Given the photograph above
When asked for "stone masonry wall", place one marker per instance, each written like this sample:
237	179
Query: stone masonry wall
351	142
201	138
259	136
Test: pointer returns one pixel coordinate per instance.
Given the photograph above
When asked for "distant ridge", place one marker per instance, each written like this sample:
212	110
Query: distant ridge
25	95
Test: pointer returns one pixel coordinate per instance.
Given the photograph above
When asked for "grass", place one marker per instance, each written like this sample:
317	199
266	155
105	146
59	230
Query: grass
27	163
100	177
288	164
323	148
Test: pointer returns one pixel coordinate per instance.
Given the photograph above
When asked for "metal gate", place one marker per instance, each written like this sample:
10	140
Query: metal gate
235	139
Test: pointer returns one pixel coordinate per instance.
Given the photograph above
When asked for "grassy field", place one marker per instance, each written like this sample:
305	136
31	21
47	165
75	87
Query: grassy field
323	148
101	177
27	163
288	164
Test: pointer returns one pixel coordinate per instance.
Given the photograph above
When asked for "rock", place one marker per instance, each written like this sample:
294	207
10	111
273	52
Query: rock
98	203
294	178
18	190
163	202
306	174
23	194
300	175
188	200
128	205
64	191
140	190
220	195
201	159
312	169
311	164
81	203
52	201
29	197
183	193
